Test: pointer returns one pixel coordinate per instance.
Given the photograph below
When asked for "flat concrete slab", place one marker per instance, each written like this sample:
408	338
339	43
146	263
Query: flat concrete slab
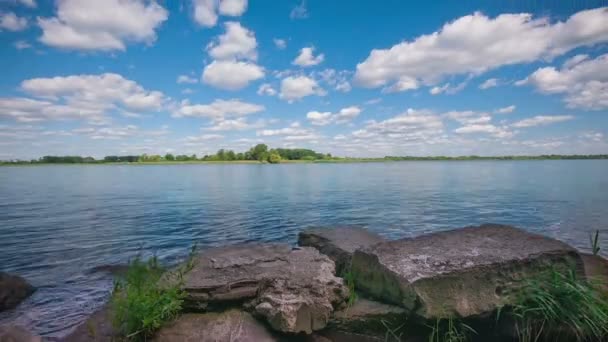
462	272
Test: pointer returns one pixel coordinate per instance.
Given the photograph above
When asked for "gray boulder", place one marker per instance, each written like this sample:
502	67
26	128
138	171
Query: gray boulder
339	243
13	290
295	290
368	317
232	325
13	333
459	273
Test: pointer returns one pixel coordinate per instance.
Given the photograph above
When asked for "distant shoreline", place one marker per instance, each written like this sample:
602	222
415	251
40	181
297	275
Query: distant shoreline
327	161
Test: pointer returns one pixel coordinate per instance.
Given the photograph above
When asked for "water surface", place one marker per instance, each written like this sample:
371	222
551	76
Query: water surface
59	222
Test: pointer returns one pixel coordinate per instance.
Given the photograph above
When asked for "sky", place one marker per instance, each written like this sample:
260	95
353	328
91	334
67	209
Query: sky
352	78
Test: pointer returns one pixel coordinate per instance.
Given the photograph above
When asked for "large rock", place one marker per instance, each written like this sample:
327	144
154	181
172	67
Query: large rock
339	243
368	317
464	272
295	290
13	333
97	328
13	290
596	270
229	326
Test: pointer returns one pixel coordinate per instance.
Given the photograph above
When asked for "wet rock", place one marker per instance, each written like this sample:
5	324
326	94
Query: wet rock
295	290
596	269
230	326
464	272
13	290
368	317
13	333
97	328
339	243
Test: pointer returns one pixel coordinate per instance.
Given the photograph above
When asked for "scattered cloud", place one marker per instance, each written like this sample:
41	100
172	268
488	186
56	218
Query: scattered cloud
583	81
233	8
10	21
218	110
345	115
296	87
231	75
505	110
102	25
205	12
239	124
279	43
181	79
448	88
236	43
504	40
88	97
489	83
542	120
306	57
299	11
22	44
413	125
266	89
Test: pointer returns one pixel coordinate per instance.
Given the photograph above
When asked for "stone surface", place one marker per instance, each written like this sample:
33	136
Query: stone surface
464	272
13	290
295	290
230	326
339	243
368	317
596	269
97	328
13	333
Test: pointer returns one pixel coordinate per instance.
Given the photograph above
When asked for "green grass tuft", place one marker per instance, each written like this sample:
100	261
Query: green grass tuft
349	277
450	330
140	304
595	242
559	304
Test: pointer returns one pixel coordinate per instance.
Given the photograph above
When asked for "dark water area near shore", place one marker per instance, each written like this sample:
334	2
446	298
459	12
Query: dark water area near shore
57	223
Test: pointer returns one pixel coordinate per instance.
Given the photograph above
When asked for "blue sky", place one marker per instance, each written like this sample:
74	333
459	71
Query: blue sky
351	78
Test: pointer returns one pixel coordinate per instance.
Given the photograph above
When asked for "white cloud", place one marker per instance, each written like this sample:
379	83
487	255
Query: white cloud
306	57
505	110
231	75
218	110
233	8
413	125
584	82
197	140
266	89
79	97
237	42
542	120
498	132
205	12
448	88
299	11
102	25
181	79
28	3
22	44
325	118
489	83
297	87
344	86
476	43
279	43
239	124
10	21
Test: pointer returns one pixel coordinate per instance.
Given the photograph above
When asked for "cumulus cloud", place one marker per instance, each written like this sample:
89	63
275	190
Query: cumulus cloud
10	21
339	80
22	44
102	25
231	75
583	81
306	57
325	118
205	12
413	125
236	43
197	140
542	120
239	124
296	87
233	8
476	43
79	97
279	43
218	110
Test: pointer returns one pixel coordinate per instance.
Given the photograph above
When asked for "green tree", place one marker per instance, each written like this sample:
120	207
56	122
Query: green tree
274	157
259	152
169	157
